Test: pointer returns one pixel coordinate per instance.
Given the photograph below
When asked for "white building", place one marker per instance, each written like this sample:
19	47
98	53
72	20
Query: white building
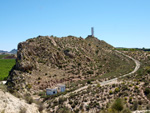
51	91
59	88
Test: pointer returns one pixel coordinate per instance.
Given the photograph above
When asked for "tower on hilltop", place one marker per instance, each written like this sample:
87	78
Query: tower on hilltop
92	31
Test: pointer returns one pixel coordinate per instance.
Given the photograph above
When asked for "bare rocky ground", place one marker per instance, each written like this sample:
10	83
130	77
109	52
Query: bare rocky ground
12	104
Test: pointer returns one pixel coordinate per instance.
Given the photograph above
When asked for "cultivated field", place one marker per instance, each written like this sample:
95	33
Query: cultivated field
5	67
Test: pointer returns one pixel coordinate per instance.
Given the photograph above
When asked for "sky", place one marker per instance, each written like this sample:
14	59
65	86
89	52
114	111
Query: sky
121	23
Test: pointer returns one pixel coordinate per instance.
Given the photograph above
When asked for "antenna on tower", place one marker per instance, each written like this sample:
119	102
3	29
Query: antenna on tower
92	31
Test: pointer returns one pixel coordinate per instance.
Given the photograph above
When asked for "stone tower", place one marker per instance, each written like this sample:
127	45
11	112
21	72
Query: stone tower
92	31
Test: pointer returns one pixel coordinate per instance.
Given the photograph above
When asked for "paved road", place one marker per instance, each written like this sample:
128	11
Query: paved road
111	81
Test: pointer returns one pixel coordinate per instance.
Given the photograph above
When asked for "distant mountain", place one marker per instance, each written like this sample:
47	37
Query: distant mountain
14	51
1	51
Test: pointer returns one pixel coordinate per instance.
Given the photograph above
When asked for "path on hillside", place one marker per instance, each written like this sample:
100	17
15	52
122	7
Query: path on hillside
141	111
137	63
111	81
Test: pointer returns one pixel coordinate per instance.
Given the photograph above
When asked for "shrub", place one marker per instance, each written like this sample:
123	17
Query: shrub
61	100
113	85
40	107
116	89
110	92
90	72
3	87
98	85
147	91
96	51
130	99
140	102
23	110
70	102
135	105
126	110
147	69
72	95
63	109
125	98
87	108
28	98
136	87
79	64
118	105
29	86
89	82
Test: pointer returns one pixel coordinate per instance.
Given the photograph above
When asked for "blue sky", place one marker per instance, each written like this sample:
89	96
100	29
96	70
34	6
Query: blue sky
121	23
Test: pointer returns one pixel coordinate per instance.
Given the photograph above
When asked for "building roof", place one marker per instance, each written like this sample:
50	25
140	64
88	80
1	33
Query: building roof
54	88
51	89
61	85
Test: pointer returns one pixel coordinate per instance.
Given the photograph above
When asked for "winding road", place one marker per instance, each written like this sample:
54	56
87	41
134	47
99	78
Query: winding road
137	63
111	81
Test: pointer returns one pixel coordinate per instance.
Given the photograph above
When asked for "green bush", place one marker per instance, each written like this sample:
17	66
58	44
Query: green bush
147	91
147	69
98	85
130	99
89	82
135	105
117	89
90	72
110	92
29	86
126	110
63	109
118	105
61	100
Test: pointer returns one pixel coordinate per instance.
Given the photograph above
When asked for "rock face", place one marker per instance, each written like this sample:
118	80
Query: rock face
45	61
11	104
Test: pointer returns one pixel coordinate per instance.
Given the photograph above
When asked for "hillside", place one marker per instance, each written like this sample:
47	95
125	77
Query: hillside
46	61
128	94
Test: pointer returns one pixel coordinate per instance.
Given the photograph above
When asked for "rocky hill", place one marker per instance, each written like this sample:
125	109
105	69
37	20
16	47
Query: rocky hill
45	61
